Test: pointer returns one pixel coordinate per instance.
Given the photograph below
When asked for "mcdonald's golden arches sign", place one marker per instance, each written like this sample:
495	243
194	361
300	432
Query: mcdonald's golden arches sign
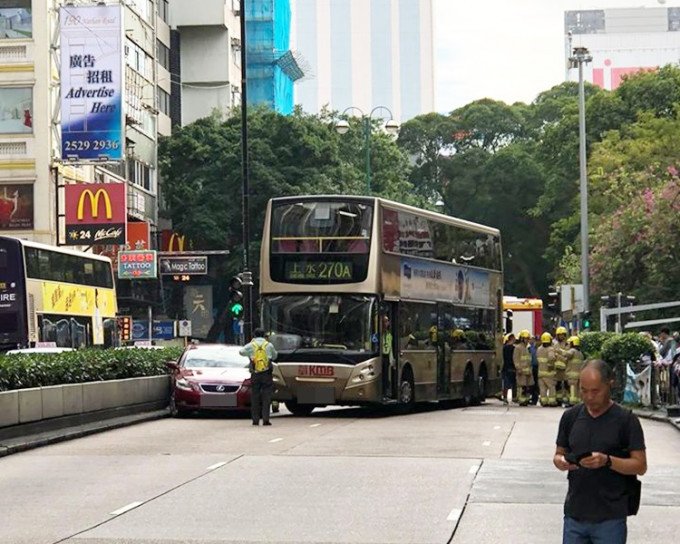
96	213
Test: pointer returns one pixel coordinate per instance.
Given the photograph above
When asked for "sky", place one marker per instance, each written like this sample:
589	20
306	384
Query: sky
508	50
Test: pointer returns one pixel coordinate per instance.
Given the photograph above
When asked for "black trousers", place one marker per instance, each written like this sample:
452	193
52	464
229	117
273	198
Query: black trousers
261	395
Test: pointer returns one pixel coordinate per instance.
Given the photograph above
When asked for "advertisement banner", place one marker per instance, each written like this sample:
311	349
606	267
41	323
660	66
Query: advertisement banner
92	80
428	280
16	207
96	213
63	298
198	305
137	265
197	265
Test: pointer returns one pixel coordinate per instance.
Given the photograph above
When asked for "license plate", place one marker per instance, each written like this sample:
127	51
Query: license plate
218	400
316	395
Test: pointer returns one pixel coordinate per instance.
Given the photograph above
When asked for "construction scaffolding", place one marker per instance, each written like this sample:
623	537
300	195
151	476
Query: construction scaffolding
271	68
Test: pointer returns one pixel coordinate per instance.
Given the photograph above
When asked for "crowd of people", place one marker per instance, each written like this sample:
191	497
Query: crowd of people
541	369
666	361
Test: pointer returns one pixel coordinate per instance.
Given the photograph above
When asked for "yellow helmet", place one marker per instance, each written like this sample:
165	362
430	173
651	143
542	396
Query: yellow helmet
561	330
546	338
524	334
574	340
458	333
507	337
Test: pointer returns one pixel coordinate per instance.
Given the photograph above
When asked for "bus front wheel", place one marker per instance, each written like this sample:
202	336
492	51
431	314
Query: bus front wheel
406	391
299	409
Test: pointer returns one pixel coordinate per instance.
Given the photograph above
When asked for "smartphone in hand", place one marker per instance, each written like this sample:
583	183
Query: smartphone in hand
575	458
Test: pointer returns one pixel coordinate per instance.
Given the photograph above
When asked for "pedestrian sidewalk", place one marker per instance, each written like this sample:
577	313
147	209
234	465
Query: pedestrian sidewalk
657	414
35	438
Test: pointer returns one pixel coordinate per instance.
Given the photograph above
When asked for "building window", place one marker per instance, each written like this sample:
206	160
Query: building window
16	110
163	55
139	174
163	101
164	10
16	20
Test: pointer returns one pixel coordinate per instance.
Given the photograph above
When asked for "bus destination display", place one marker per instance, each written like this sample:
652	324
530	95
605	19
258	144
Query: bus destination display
319	270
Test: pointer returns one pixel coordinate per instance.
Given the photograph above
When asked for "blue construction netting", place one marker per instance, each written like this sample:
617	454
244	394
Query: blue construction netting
271	67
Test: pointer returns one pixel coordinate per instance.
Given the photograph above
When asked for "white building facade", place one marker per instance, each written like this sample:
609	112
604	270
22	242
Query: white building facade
622	41
365	54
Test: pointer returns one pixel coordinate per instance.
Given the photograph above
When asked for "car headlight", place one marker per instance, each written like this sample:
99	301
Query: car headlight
183	384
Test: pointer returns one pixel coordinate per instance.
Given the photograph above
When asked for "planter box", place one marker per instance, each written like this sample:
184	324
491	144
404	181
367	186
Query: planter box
9	408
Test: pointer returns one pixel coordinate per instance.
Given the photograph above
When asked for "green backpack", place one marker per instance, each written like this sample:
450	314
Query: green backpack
260	359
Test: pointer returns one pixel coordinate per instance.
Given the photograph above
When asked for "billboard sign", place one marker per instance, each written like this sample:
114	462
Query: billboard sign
92	82
184	265
96	213
16	207
137	265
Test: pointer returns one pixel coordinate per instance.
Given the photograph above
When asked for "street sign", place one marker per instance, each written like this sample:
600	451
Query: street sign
184	327
137	265
197	265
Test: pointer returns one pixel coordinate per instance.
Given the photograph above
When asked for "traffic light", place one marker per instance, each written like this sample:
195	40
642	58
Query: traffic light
125	328
586	320
236	296
554	302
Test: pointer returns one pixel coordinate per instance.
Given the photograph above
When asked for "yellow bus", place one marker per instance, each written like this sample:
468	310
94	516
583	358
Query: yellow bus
370	302
55	296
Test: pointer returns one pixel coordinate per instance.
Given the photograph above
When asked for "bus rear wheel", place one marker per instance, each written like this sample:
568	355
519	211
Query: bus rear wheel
299	410
468	386
406	391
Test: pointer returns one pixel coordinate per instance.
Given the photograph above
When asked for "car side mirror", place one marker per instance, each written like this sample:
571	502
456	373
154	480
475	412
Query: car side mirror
172	365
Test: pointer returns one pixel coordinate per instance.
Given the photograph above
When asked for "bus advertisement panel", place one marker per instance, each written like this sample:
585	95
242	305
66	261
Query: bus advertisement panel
372	302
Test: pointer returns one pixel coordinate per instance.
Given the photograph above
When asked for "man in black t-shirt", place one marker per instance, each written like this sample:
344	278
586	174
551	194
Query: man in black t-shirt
609	446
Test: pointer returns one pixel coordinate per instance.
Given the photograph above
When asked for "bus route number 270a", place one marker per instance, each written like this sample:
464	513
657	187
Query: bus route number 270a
323	270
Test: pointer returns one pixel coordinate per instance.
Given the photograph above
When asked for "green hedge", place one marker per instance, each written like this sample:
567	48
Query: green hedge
22	371
591	343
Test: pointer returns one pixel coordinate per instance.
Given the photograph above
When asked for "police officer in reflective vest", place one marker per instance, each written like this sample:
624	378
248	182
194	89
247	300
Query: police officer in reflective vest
261	354
574	359
522	359
546	371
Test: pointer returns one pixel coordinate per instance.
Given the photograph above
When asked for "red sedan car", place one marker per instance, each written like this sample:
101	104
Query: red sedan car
210	377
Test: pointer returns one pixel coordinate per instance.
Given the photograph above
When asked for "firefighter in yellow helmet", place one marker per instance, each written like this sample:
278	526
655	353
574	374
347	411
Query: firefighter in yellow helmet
560	345
522	359
546	371
574	359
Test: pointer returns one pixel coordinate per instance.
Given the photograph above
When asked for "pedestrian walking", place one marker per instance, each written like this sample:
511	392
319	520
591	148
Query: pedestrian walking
602	447
508	375
261	354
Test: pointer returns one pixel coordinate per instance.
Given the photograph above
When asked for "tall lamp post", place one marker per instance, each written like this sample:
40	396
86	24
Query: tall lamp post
391	126
579	57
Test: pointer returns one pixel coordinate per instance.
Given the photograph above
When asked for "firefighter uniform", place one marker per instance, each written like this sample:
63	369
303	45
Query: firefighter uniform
522	359
546	371
560	345
574	359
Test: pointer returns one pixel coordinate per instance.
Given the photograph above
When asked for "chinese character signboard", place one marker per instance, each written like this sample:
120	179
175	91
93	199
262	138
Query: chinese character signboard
96	213
198	305
91	82
137	265
16	207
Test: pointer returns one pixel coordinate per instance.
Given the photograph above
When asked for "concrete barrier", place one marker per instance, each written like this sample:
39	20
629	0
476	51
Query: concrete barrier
43	403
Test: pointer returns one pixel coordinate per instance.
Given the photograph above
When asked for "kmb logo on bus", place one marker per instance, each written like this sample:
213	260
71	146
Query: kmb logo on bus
315	370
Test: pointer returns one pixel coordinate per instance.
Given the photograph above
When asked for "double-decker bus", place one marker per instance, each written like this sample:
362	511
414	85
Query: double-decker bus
374	302
53	295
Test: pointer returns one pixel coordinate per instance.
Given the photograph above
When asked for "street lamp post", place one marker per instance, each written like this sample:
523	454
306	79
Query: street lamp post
582	56
391	126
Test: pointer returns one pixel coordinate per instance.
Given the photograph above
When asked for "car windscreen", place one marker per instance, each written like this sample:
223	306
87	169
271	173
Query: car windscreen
214	357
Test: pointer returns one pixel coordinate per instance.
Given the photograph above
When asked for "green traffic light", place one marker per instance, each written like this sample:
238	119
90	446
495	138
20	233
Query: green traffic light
236	309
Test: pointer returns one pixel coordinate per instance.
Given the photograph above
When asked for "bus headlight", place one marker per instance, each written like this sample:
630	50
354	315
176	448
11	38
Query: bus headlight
365	373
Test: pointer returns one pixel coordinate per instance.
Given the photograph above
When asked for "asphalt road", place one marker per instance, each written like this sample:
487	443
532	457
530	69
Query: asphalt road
474	475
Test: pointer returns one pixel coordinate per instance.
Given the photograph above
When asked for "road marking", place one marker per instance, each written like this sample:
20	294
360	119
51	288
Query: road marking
275	440
454	515
316	425
126	508
473	469
216	465
487	443
496	427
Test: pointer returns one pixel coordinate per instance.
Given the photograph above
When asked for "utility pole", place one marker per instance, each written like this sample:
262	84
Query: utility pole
580	56
247	275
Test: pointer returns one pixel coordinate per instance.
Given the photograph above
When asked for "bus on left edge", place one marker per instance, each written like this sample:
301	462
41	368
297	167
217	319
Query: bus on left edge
54	295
